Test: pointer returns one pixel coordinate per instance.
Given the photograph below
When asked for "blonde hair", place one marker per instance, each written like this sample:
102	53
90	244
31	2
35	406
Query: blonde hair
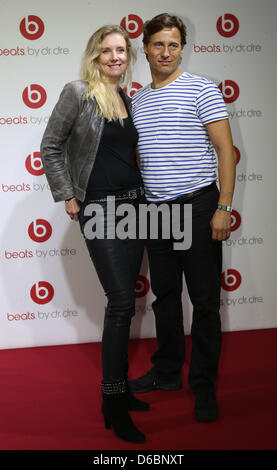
99	87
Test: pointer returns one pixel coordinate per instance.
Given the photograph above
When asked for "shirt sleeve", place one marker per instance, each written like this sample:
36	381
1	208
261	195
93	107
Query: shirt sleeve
210	104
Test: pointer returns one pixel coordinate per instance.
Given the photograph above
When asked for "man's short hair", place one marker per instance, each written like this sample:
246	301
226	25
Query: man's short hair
159	22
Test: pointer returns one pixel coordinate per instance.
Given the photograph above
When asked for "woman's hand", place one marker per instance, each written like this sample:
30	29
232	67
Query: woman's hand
72	208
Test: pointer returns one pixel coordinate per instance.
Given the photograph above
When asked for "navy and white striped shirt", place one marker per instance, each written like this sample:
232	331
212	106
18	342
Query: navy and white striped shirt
175	150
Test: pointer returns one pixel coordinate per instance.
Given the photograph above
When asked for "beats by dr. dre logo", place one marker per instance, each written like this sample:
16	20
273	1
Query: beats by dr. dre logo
142	286
34	165
135	87
42	292
40	230
34	96
227	25
229	90
133	25
230	280
235	220
237	152
31	27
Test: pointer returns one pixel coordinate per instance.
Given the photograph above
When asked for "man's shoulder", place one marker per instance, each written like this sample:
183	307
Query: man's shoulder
140	93
195	80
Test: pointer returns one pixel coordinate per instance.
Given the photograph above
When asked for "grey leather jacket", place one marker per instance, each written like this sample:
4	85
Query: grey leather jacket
70	142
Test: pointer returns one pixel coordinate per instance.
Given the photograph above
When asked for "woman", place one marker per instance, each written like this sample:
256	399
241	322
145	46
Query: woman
88	153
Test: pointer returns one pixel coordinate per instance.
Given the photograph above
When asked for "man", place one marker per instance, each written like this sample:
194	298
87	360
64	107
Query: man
180	118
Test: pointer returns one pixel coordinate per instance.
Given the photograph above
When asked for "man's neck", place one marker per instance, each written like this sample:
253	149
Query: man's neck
160	80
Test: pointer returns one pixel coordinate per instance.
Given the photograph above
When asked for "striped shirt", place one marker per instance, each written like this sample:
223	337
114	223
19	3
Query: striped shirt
175	150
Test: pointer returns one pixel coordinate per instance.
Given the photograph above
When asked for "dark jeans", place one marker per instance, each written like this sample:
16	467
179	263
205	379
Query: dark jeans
201	265
117	263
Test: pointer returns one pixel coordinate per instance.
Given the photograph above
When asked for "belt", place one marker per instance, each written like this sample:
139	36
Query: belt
192	194
130	194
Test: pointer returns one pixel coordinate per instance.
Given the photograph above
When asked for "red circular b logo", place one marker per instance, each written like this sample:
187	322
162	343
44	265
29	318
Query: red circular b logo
237	154
42	292
34	165
142	286
31	27
40	230
230	280
227	25
135	86
229	90
235	220
133	25
34	96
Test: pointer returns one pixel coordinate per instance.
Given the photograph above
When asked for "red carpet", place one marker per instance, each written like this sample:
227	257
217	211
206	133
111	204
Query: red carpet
50	399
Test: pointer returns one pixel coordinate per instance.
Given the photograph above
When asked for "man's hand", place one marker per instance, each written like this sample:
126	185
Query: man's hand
221	225
72	208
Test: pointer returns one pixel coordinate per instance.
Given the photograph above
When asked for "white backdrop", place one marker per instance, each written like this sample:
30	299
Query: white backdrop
49	290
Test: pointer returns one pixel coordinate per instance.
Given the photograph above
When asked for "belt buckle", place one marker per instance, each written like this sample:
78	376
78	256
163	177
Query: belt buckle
132	193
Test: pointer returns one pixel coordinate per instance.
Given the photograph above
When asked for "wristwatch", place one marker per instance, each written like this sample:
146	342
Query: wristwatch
224	208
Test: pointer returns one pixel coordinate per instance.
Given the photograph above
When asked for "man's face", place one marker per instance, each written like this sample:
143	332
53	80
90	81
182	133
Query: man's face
164	51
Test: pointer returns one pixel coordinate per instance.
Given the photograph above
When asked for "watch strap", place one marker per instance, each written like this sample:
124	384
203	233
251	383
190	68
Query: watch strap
224	208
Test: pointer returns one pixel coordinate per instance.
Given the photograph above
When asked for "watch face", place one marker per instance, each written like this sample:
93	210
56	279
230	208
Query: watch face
225	208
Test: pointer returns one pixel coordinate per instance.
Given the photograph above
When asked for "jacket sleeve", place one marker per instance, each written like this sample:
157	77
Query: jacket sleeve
53	145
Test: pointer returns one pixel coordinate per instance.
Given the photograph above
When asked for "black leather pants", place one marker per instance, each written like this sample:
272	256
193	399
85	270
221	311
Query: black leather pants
117	262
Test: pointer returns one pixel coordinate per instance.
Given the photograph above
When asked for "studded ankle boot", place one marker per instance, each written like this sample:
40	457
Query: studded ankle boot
115	411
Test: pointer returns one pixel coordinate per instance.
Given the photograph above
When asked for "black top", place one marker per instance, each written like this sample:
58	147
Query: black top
115	168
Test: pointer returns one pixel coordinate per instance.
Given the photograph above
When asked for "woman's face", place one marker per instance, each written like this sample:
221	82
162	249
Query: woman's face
113	58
